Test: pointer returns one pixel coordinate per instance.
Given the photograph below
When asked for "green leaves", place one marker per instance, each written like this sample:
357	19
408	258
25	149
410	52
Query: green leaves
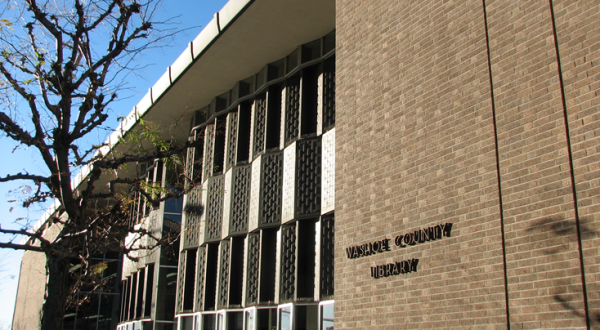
99	268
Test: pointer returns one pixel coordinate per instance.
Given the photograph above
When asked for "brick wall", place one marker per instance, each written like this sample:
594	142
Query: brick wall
579	44
427	134
544	279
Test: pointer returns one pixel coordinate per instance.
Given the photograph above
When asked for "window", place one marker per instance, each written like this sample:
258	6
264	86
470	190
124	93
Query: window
185	322
230	320
260	318
235	320
249	319
149	289
326	315
298	317
208	321
306	317
285	317
165	300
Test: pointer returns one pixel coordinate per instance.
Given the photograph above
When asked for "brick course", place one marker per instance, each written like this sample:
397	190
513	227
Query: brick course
544	278
416	147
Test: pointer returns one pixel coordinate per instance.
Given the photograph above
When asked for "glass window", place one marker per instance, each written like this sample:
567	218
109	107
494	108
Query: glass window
285	318
149	289
165	295
306	317
186	323
249	316
174	205
173	208
221	321
173	217
163	326
235	321
327	317
266	319
208	321
199	318
147	325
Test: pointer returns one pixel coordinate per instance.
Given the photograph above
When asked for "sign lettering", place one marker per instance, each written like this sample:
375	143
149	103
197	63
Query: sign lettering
403	240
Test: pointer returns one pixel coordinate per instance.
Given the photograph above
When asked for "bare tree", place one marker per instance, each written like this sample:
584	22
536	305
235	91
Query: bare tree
60	68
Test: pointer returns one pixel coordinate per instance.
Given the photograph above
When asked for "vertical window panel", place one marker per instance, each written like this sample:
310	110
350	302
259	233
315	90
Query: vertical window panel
149	290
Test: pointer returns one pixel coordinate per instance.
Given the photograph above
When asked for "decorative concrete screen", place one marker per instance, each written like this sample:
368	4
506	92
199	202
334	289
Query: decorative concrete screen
267	169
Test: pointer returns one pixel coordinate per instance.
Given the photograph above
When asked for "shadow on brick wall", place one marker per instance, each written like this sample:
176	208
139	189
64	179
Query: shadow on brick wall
557	226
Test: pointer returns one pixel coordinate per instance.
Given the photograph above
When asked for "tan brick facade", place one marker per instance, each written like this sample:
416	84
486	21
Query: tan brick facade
579	44
428	134
384	165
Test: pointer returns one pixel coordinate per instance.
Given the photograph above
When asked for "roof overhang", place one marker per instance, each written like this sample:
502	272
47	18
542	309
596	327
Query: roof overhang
243	37
267	31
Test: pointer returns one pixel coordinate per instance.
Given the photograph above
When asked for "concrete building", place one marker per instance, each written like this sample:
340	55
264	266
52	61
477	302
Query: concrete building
381	164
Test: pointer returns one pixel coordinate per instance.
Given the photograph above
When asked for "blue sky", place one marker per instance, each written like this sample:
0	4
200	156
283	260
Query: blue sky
193	14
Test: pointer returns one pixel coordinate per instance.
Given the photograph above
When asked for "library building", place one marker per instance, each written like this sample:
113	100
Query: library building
372	165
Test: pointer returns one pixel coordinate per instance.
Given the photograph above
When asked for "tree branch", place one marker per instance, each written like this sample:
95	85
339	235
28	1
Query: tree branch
26	176
14	131
40	16
40	74
37	235
120	41
39	197
21	247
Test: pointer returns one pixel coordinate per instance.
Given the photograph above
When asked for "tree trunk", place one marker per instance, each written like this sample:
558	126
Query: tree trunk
53	310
